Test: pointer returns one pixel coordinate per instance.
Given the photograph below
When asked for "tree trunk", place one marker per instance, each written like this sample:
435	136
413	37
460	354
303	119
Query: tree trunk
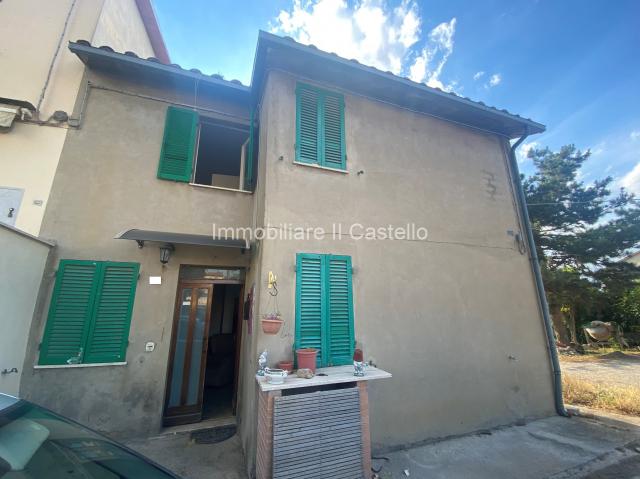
558	325
572	326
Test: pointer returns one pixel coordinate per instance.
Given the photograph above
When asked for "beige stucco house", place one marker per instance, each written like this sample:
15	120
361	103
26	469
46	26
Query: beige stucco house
40	76
150	317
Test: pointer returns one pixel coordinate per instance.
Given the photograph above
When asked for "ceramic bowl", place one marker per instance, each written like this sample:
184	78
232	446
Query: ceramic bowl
275	376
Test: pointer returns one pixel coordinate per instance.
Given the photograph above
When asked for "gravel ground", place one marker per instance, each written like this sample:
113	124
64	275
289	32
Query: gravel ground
619	372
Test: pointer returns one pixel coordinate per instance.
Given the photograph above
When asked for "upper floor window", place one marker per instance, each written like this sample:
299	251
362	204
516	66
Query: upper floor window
207	151
320	127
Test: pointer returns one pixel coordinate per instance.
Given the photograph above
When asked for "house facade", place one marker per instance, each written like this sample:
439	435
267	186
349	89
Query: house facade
151	317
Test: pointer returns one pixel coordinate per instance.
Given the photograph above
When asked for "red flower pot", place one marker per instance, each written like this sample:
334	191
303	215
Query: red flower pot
271	326
307	358
286	365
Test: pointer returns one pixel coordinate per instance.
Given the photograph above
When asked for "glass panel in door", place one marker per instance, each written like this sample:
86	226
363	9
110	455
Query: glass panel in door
182	331
189	346
197	346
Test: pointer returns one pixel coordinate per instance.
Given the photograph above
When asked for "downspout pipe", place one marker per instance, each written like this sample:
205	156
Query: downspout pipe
535	266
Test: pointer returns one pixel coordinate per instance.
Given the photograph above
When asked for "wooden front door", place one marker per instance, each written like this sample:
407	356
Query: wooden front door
183	398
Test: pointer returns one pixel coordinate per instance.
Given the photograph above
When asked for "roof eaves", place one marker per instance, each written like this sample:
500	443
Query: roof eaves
83	47
265	37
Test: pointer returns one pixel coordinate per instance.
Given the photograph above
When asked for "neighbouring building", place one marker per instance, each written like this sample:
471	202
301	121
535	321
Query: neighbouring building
40	81
149	317
41	77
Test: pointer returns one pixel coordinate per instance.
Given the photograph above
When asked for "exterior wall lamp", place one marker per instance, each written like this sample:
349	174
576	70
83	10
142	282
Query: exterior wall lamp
165	253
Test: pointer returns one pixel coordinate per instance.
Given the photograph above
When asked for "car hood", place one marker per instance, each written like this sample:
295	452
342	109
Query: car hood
7	401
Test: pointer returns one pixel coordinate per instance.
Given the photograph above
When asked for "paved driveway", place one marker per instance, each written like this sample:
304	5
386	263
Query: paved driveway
189	460
625	372
553	448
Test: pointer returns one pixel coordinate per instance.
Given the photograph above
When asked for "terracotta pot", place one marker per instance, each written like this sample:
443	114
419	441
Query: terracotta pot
271	326
286	365
307	358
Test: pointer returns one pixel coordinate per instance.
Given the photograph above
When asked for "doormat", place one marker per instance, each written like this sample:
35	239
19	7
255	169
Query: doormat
213	434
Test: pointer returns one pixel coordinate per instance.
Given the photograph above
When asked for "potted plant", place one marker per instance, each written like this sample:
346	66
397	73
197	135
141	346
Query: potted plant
271	323
287	365
307	358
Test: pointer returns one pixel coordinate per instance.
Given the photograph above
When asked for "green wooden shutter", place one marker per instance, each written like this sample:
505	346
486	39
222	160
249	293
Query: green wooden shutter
333	131
307	124
109	333
70	312
324	307
248	162
339	311
310	303
176	156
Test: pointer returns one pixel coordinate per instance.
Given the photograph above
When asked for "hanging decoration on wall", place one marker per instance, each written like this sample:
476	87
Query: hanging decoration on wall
272	321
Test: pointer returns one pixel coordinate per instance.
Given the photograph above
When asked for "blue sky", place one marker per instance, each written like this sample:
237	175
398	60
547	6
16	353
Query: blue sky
573	65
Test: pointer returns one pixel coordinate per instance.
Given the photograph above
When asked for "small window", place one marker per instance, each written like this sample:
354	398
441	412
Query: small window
324	307
206	151
90	313
320	127
221	154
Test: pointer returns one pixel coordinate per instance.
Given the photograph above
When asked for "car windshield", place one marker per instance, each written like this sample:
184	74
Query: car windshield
35	443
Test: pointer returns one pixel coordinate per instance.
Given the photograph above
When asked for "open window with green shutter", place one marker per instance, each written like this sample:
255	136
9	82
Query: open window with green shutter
324	307
320	127
208	151
90	313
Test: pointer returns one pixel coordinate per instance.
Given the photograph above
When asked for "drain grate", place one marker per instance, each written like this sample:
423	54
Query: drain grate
213	434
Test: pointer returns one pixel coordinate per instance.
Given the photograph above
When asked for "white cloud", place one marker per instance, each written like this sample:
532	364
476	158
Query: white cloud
634	135
374	33
631	181
478	75
495	79
428	64
369	31
523	151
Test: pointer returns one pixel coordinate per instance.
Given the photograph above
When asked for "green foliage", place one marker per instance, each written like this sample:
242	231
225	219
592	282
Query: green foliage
580	230
626	309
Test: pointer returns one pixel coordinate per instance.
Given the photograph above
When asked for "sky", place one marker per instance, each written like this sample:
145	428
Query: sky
572	65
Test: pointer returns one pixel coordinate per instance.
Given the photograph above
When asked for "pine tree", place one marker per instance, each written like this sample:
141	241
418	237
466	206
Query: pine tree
580	230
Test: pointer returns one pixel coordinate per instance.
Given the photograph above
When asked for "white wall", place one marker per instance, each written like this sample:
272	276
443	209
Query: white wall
22	263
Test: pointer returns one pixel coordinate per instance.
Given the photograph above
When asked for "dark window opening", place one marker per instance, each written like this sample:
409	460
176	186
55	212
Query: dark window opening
222	154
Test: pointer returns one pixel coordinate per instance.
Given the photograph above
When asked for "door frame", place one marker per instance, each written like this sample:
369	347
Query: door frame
187	414
194	413
236	362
